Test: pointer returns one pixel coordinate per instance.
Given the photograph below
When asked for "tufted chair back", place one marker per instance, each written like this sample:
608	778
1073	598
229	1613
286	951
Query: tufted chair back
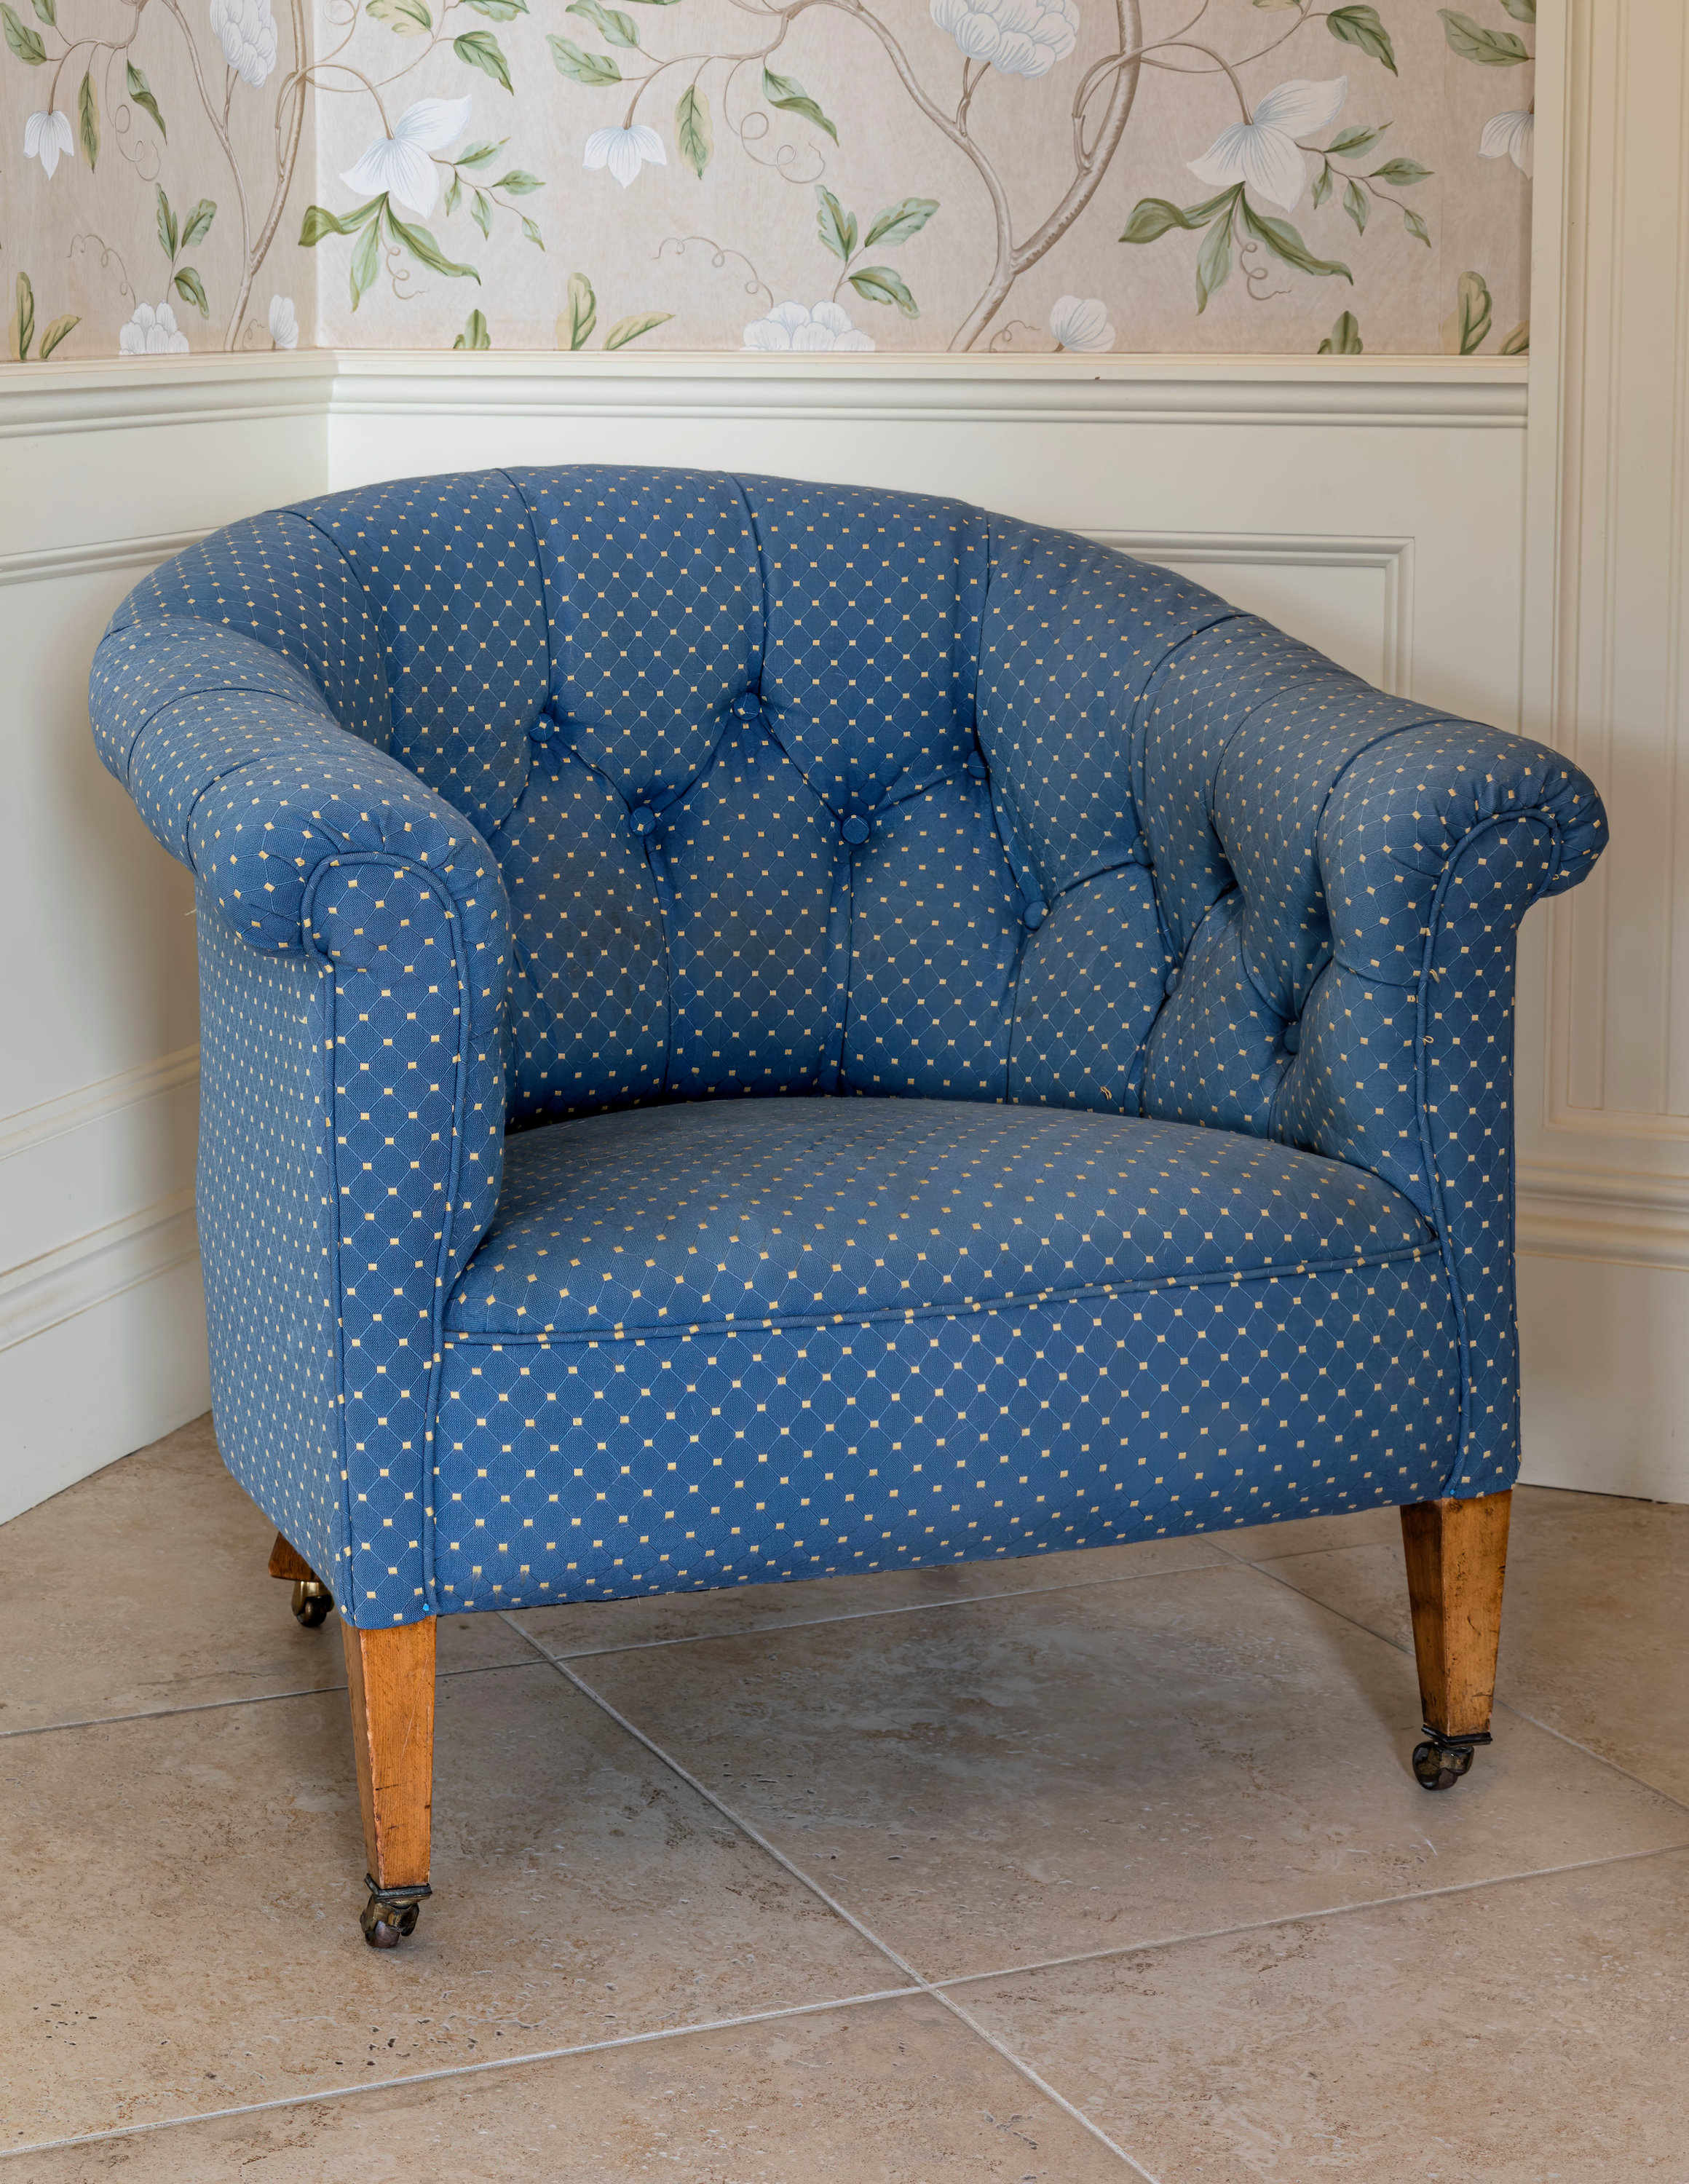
797	787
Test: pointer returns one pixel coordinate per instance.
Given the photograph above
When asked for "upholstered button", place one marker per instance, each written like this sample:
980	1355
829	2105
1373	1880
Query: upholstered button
975	765
641	819
1291	1038
1171	982
542	728
1032	913
856	830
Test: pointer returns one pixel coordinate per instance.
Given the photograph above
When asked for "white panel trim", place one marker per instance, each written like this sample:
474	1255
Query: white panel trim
1438	391
1287	549
80	1274
29	1127
47	562
1619	1217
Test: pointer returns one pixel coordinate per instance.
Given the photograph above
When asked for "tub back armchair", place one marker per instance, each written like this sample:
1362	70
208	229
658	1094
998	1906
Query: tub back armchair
753	1029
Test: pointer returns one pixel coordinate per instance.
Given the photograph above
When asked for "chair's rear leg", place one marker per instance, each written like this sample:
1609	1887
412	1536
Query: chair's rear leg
390	1675
1457	1554
312	1598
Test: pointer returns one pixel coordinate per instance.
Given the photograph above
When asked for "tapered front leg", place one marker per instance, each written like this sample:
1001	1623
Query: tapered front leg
390	1676
1457	1554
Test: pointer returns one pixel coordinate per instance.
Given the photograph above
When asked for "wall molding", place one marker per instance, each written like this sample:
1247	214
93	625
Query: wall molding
1616	1216
1438	391
94	559
89	1270
29	1127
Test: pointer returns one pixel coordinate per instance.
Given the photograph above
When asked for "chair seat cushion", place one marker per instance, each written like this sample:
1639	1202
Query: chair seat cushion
817	1211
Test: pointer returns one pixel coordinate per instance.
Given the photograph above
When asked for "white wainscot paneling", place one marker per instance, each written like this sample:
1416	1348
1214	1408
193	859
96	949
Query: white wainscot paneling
1372	507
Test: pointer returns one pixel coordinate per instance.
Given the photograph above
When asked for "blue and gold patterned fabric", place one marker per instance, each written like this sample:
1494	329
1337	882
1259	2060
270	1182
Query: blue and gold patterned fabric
755	1029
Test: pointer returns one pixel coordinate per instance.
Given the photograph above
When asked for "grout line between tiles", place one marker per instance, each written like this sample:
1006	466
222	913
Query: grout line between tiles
860	1614
1506	1705
217	1706
458	2070
839	1910
1328	1911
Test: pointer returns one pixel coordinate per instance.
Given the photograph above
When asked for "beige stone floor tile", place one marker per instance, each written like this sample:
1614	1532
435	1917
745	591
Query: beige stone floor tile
179	1898
1529	2031
145	1586
1302	1536
1015	1779
897	2093
672	1617
1592	1623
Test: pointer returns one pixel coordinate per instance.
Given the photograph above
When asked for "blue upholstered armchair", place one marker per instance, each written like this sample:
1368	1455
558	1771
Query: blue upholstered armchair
753	1030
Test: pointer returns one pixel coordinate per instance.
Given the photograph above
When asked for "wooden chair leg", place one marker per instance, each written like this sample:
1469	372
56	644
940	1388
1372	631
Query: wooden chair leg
312	1598
390	1676
1457	1554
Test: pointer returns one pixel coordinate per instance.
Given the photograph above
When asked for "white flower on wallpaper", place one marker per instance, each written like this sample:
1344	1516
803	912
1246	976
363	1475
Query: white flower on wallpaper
45	136
402	165
624	151
247	30
151	332
1020	37
1262	151
1081	323
284	322
1509	136
816	327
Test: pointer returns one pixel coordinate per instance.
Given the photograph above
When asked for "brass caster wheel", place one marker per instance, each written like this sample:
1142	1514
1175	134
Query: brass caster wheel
312	1600
1439	1766
391	1915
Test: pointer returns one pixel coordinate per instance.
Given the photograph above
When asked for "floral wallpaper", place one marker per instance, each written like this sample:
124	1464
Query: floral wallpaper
1000	176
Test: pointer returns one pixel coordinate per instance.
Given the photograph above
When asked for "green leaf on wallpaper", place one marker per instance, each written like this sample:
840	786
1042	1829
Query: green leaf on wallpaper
693	131
1517	343
410	18
596	70
1355	205
475	334
1467	326
167	223
477	155
519	183
21	333
88	121
423	248
1283	240
1360	26
1403	173
1473	42
481	49
191	288
1152	217
142	93
1353	142
47	11
837	227
533	232
26	43
197	225
617	28
786	93
1213	262
637	323
582	314
1417	228
56	333
1344	338
500	11
320	221
898	222
1322	185
1522	11
366	260
481	212
454	193
878	284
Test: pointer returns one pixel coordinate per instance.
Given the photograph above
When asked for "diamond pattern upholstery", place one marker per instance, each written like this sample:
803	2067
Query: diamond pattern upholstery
755	1028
